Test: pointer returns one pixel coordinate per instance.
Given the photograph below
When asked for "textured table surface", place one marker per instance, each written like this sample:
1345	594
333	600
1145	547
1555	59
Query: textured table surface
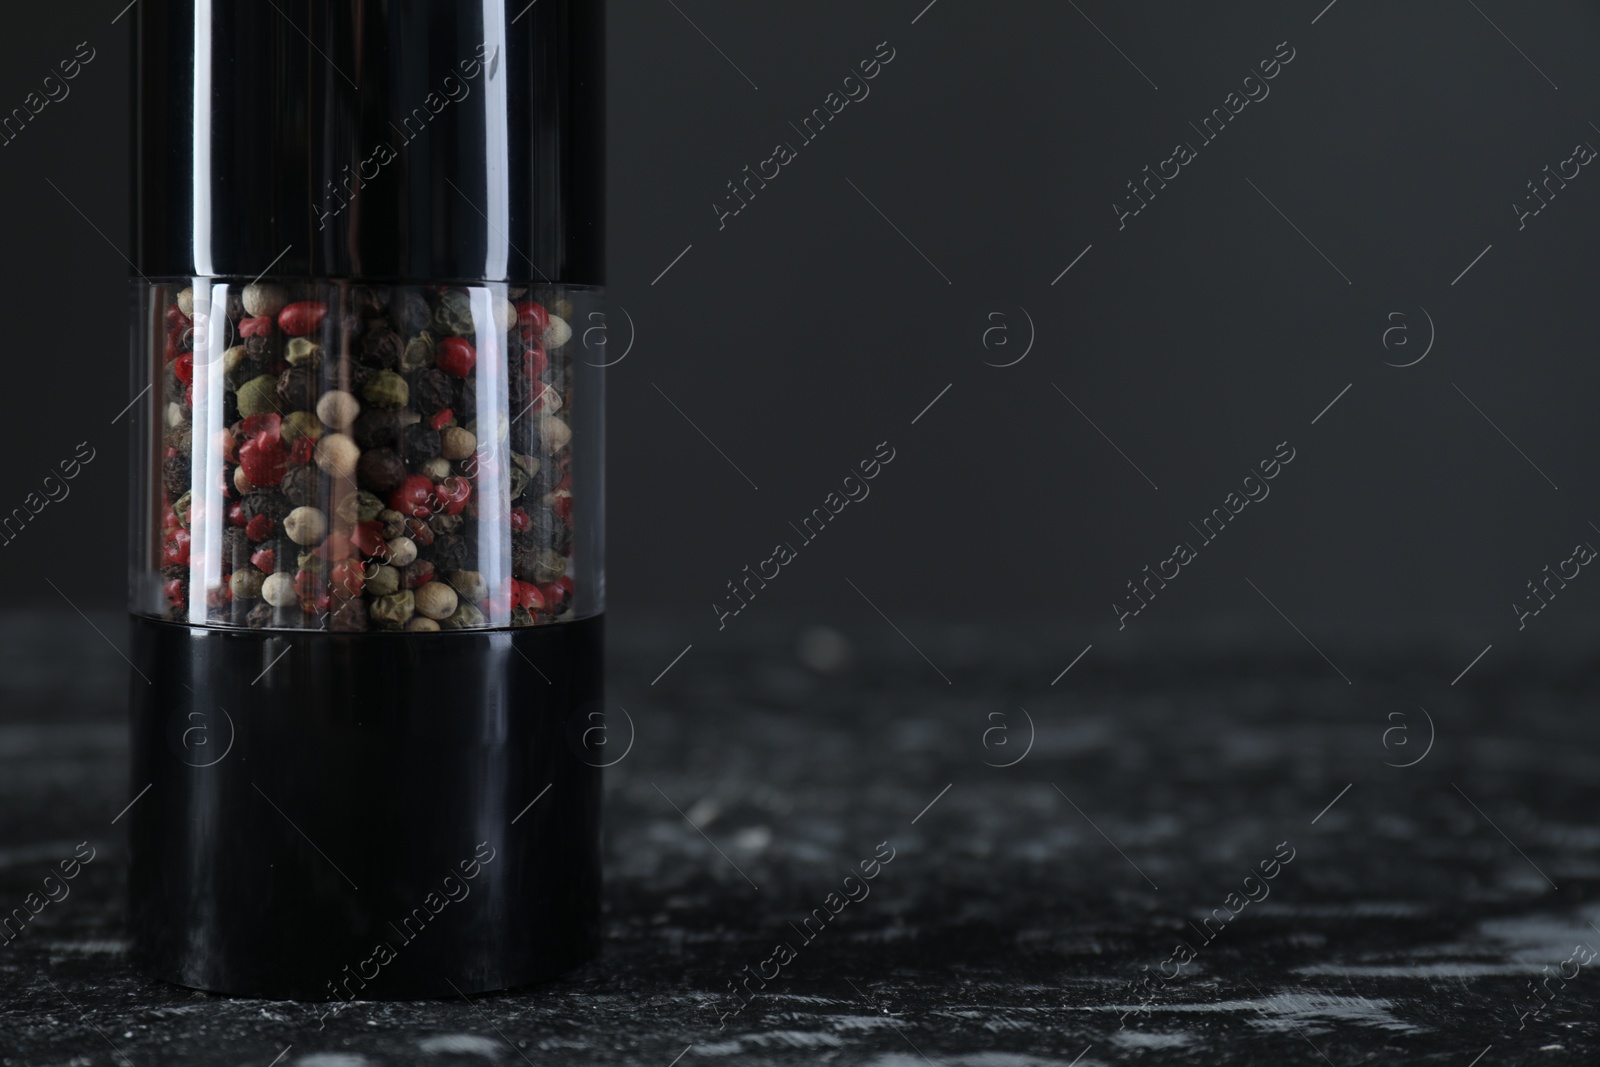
1023	904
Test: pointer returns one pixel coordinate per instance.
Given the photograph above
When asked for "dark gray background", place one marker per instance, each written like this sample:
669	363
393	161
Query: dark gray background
809	330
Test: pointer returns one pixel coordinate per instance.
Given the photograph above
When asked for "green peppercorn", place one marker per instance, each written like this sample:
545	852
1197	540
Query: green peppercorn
258	396
393	610
469	584
298	424
302	350
454	314
386	389
181	509
384	581
465	617
394	525
521	617
418	353
246	583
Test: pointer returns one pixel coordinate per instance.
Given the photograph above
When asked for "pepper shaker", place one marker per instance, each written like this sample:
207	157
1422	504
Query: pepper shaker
366	585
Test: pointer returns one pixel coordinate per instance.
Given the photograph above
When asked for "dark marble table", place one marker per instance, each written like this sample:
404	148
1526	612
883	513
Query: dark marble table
1411	912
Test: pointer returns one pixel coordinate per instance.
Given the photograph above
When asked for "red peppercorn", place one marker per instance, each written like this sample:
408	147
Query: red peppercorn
174	591
176	550
534	361
519	520
263	460
263	559
183	367
527	595
219	595
455	356
420	532
368	538
444	417
301	451
270	424
532	315
454	492
415	497
346	577
306	585
188	396
256	327
170	351
302	318
259	528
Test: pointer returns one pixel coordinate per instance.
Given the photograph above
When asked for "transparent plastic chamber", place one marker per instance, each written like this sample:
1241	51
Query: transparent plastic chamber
351	457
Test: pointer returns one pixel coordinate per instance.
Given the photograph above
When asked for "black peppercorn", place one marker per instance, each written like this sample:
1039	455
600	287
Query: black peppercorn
350	616
409	312
448	553
417	573
432	390
297	387
269	502
381	470
302	486
370	301
466	403
235	303
236	547
175	476
421	444
377	428
260	616
381	348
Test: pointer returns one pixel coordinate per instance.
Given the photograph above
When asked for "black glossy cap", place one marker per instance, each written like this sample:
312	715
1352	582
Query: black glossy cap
416	140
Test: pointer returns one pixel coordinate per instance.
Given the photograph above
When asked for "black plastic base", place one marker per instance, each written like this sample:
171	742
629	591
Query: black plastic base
365	816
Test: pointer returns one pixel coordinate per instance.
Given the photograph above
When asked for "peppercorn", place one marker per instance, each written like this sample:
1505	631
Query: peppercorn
258	396
422	624
454	314
394	524
302	352
301	318
437	469
246	583
554	433
278	589
386	389
175	476
556	334
375	428
402	551
421	444
259	617
409	310
338	455
370	301
381	470
470	584
349	617
393	610
297	387
466	401
301	486
384	581
264	298
521	617
417	573
338	409
300	424
305	525
436	600
432	390
418	353
465	617
270	503
456	443
449	554
381	348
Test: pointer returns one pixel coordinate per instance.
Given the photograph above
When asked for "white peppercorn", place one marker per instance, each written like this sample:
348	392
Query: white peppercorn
456	443
436	600
337	454
278	589
264	298
338	409
305	525
402	551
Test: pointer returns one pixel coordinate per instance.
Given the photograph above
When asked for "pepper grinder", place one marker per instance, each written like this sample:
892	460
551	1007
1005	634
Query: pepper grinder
366	585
